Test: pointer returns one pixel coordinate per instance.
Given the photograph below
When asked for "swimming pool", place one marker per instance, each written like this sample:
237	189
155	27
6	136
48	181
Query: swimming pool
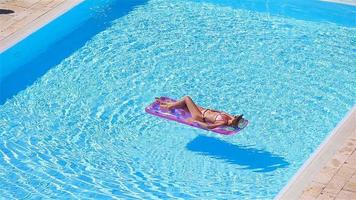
79	128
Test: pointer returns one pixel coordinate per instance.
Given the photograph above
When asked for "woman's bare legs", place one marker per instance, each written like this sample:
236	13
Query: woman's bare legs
188	103
172	105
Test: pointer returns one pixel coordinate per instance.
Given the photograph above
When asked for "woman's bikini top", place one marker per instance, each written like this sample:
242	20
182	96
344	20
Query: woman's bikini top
218	117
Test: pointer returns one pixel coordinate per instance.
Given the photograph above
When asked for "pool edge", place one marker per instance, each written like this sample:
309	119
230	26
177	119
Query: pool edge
344	2
36	24
331	144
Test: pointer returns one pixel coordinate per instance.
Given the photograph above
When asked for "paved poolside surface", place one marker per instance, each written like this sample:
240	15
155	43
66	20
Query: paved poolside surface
28	16
332	177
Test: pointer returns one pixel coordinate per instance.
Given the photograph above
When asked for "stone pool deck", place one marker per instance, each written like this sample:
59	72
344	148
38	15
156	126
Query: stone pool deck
27	17
329	174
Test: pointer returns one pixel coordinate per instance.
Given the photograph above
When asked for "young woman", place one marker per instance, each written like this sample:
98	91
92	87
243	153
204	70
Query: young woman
207	118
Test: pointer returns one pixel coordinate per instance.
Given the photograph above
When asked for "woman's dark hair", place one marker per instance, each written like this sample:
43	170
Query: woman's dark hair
237	119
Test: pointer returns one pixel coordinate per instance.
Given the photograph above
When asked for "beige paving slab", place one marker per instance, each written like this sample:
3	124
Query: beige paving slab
326	196
351	184
325	175
346	195
313	191
345	172
335	185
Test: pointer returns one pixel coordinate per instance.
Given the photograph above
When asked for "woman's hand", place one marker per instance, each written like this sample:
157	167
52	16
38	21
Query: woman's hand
202	124
206	125
215	125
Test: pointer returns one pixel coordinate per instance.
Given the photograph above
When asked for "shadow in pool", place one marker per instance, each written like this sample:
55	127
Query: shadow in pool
28	73
246	157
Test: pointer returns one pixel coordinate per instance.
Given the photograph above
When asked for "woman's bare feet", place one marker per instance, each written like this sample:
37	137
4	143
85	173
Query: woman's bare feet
164	104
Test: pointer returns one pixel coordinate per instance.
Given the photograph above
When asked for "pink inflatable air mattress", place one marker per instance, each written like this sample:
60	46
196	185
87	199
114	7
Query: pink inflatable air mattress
181	116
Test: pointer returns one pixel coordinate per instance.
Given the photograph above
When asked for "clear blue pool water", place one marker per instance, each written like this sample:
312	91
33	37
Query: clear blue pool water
72	123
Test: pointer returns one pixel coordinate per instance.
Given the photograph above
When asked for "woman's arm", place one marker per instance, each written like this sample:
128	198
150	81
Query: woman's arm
210	126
